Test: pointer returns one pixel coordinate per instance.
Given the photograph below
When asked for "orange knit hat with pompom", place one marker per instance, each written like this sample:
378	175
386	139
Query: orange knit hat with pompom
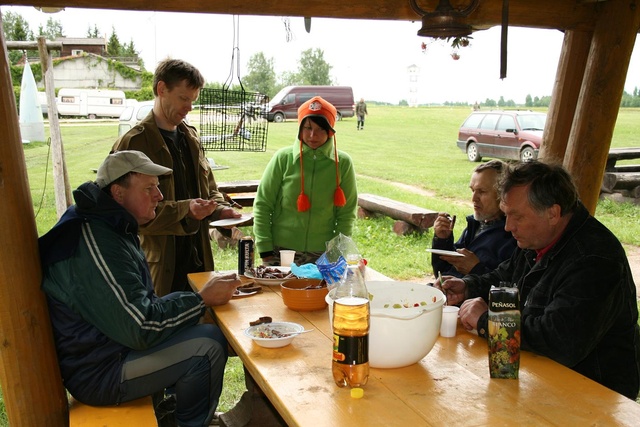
318	107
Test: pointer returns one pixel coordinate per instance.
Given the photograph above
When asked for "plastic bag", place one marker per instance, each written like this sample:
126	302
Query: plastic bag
341	250
342	246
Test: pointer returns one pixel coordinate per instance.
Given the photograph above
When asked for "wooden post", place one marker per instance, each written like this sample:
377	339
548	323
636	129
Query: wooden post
61	184
571	66
29	373
599	101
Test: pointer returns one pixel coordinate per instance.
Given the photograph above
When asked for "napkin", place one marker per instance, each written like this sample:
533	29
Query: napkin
307	271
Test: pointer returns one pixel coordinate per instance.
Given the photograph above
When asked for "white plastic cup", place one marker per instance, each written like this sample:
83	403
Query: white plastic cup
286	258
449	321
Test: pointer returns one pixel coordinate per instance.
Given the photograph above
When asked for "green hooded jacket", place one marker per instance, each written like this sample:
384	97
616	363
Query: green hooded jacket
277	222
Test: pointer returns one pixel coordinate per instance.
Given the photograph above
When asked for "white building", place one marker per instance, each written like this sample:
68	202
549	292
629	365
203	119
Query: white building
93	72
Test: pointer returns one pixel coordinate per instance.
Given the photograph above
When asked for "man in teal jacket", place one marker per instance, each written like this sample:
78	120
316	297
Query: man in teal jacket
116	340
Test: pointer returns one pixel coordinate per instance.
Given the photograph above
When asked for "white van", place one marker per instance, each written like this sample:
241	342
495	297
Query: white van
90	103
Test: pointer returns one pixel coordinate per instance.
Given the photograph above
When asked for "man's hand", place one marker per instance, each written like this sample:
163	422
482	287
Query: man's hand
442	226
200	209
470	312
453	288
227	213
463	264
219	289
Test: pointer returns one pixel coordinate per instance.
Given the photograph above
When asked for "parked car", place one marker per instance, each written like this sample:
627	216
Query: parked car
505	134
286	102
132	115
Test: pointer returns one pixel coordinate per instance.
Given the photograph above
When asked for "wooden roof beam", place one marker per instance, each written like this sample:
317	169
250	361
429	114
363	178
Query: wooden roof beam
551	14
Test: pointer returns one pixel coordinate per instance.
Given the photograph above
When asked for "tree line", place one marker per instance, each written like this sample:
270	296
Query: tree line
312	69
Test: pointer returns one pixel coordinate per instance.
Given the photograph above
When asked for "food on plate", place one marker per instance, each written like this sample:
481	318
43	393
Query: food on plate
264	319
266	331
264	272
249	287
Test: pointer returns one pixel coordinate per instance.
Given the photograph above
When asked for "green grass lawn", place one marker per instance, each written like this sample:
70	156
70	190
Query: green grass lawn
412	146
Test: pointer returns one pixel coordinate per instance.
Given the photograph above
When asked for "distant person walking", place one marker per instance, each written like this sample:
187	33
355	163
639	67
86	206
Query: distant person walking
361	111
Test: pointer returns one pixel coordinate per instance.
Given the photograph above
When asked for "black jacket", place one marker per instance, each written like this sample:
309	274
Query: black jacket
578	303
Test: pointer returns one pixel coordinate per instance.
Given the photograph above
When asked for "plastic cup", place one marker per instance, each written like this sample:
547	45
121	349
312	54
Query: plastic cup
449	321
286	258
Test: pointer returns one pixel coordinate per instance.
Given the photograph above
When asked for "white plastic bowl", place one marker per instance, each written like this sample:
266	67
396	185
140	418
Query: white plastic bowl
274	342
400	337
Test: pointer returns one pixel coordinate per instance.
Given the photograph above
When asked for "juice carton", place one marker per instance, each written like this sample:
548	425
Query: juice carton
504	332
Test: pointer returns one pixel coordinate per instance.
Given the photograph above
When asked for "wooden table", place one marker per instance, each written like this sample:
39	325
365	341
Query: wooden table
450	386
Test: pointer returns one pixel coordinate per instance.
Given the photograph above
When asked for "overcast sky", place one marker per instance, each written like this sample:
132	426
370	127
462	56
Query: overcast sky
370	56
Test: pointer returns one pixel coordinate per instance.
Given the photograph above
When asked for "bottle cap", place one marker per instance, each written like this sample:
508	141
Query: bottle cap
357	393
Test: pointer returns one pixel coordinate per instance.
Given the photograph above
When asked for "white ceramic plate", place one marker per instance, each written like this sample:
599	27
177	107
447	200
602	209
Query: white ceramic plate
231	221
269	282
274	341
443	252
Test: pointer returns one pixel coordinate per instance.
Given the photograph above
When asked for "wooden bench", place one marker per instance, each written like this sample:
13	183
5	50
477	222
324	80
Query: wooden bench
250	186
623	179
409	218
616	154
241	192
138	413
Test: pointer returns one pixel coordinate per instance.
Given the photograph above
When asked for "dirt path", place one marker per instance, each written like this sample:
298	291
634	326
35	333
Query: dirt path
633	252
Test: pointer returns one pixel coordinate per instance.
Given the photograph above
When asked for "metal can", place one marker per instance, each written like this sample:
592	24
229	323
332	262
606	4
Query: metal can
246	250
